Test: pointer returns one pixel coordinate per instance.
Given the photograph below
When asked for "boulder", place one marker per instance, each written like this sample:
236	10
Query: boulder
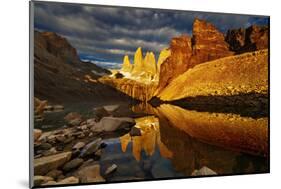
100	112
203	171
52	182
111	108
111	169
78	145
36	134
135	131
73	118
90	174
45	146
45	164
38	180
91	147
54	173
109	124
72	164
69	180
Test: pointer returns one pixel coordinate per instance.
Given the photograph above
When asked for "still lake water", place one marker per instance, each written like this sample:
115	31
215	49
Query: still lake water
175	142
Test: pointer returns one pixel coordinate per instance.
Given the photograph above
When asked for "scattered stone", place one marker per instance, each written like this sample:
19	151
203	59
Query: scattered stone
52	151
103	145
100	112
91	134
49	183
69	180
135	131
91	148
78	145
36	134
61	177
45	164
73	118
68	140
44	136
38	180
82	135
75	154
45	146
91	122
54	173
60	138
72	164
111	169
98	153
58	107
111	108
109	124
203	171
90	174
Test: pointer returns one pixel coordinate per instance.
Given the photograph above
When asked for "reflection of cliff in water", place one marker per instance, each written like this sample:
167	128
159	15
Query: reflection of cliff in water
225	143
148	141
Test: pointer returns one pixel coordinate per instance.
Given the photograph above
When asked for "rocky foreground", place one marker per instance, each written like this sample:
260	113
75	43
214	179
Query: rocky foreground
69	155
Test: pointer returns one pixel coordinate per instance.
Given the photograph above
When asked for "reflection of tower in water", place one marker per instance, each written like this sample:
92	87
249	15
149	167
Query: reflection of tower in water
148	141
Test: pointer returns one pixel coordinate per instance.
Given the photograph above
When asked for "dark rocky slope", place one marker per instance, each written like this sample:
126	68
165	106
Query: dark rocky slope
59	75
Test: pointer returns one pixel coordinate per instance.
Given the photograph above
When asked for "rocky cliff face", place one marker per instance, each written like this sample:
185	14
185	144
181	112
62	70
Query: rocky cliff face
206	44
60	47
136	90
60	77
251	39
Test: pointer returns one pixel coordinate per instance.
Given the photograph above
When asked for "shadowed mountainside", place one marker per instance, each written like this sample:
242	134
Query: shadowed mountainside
59	75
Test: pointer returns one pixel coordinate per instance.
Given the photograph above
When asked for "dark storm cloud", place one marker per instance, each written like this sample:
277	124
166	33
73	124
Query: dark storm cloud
108	33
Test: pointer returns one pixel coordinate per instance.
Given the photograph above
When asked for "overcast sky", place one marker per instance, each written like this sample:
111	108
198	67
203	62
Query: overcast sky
106	34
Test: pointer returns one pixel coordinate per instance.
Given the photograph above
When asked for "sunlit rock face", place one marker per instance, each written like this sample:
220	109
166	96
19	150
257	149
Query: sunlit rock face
177	62
143	69
230	131
138	62
148	141
135	89
150	64
139	80
251	39
206	44
234	75
126	66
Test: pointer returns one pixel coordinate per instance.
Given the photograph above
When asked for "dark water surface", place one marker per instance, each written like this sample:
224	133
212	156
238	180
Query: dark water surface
175	142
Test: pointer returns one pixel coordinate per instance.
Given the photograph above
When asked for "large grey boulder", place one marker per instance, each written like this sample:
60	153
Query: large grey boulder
109	124
91	147
203	171
45	164
90	174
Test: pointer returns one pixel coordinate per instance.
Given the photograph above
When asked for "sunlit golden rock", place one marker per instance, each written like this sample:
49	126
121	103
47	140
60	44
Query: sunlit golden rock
150	65
227	130
245	73
126	66
148	141
135	89
138	62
